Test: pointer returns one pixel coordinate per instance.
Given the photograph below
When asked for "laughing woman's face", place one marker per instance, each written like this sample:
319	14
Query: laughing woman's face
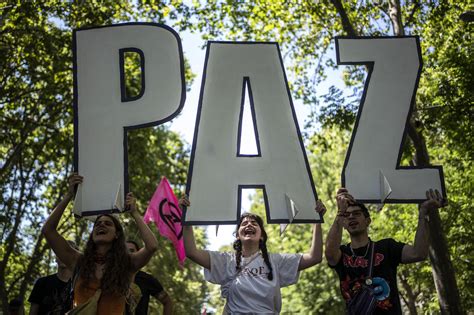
249	230
104	230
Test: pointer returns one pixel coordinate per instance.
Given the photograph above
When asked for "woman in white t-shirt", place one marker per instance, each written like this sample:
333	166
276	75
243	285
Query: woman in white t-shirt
250	277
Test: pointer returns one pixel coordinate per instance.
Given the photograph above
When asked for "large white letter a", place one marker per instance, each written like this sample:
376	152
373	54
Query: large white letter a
218	172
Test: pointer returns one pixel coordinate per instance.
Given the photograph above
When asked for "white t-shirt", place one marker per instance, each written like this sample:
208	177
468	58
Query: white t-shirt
250	291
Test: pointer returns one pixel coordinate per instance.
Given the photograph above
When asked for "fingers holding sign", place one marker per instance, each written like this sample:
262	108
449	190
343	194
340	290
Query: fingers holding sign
184	201
320	208
434	201
131	202
343	200
73	180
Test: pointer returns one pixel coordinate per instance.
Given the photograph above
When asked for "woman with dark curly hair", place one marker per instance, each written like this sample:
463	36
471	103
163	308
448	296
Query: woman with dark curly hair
106	268
250	277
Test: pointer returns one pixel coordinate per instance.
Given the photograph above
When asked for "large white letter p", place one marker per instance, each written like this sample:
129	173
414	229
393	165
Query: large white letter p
104	111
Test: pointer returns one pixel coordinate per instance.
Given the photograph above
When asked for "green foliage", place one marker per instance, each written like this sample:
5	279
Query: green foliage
445	97
458	217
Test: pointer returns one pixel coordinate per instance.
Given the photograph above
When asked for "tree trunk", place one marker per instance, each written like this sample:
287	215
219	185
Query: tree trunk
9	247
346	23
410	299
442	268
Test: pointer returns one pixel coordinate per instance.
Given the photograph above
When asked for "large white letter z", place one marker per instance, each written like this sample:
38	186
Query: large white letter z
372	170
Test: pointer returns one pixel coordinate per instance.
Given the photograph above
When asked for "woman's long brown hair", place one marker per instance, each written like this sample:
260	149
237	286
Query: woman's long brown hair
117	274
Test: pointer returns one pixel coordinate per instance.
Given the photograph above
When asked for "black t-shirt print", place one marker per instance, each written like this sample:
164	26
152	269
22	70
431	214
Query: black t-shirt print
352	270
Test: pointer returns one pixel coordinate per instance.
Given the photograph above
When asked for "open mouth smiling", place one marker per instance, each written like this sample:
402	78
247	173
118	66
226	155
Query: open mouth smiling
249	231
101	231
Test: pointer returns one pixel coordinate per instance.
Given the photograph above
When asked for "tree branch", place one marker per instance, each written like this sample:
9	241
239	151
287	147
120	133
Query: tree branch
416	6
421	157
410	300
396	17
346	23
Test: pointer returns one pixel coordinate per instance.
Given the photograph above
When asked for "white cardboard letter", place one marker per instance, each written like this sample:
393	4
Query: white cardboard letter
218	172
372	171
103	114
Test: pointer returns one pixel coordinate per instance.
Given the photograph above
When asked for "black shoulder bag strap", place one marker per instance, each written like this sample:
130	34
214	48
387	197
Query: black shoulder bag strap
368	280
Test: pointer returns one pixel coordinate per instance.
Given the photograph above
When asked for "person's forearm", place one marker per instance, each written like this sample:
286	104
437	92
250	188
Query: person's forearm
333	240
421	238
315	255
189	242
199	256
53	220
316	250
146	234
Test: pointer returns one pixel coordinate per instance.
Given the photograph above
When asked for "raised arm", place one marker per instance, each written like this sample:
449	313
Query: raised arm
419	250
199	256
67	254
315	254
334	237
142	256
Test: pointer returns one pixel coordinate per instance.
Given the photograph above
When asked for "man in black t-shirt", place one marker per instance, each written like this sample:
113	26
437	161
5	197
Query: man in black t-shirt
149	286
47	293
50	292
352	261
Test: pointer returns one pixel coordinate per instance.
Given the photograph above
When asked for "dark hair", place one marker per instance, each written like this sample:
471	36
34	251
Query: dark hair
262	244
137	247
15	304
117	275
362	207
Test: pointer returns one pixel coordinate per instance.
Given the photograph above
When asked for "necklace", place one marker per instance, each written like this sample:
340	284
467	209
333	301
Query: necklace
366	250
251	255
